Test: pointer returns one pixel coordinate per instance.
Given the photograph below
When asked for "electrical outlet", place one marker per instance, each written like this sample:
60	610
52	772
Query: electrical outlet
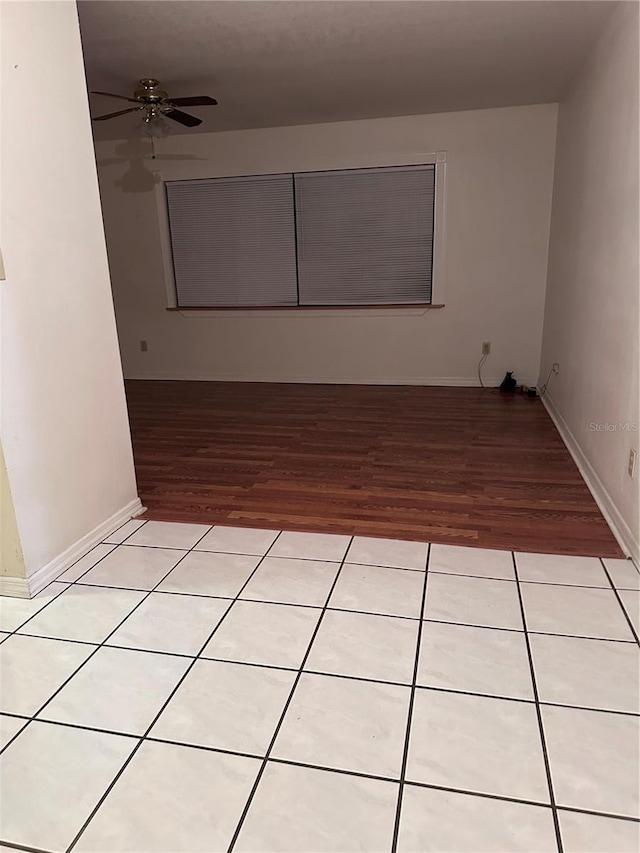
144	346
555	367
486	347
633	458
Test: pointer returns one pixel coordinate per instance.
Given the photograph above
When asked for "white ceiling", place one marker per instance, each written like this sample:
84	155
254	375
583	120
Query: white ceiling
286	62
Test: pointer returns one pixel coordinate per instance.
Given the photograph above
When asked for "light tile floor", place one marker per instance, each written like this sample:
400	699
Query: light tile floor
186	688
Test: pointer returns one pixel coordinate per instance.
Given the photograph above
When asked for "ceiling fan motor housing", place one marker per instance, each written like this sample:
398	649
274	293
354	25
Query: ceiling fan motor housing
150	93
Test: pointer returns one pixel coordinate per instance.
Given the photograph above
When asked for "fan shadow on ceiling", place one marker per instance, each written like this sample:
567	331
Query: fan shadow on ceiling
137	153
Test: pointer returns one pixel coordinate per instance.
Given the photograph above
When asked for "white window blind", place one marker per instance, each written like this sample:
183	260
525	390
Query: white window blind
233	241
365	236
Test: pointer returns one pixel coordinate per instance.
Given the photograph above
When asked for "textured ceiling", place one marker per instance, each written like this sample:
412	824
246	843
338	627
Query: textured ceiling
304	61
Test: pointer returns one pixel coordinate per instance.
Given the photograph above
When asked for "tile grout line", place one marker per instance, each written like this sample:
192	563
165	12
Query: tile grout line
342	676
112	632
412	694
543	742
287	703
142	738
627	560
611	815
125	544
337	609
97	648
391	780
337	562
112	547
345	610
621	603
143	520
19	847
20	632
354	563
44	606
81	726
237	553
355	773
461	791
501	798
115	546
56	580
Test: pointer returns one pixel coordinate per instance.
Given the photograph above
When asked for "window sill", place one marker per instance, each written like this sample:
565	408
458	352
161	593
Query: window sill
317	310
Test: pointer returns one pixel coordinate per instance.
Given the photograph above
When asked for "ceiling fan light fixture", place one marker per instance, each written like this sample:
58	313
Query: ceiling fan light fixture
153	123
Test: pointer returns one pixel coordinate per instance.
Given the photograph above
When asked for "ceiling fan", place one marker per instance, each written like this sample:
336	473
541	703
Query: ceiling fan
156	104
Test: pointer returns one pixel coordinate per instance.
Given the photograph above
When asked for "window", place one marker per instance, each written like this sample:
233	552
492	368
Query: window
233	241
341	238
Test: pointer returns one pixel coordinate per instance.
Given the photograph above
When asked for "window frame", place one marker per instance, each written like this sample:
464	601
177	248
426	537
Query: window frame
438	159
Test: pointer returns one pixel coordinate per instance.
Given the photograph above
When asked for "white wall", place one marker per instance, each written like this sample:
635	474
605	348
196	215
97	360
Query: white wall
591	316
64	424
499	180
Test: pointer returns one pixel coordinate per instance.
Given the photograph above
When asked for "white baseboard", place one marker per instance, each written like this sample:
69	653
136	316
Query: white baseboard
619	527
28	587
446	381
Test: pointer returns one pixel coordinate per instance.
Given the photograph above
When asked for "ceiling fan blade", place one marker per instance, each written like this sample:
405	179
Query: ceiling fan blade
113	115
196	101
111	95
183	118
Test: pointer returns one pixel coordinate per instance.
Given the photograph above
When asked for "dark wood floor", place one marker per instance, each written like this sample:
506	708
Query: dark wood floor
463	466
